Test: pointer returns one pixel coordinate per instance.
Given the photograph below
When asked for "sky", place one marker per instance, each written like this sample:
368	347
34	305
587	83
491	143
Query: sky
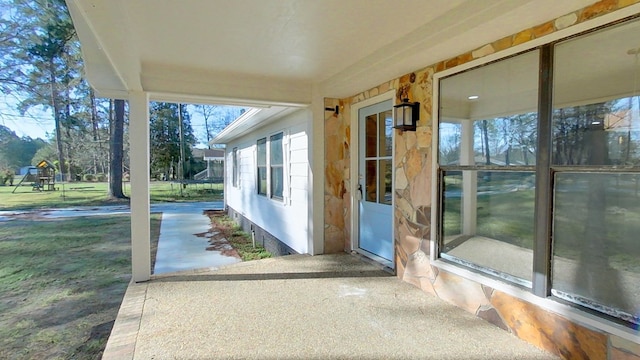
38	123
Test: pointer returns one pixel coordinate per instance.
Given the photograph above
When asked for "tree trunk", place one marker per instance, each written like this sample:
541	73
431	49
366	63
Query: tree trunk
485	132
94	130
116	147
55	104
70	150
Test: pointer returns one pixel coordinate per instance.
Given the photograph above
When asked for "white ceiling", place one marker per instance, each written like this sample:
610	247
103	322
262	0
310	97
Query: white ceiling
283	52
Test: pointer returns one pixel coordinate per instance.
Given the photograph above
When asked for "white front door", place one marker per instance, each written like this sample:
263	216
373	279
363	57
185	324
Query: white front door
375	174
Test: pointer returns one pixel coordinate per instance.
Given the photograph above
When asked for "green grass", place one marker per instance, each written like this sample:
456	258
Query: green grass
95	194
509	217
61	285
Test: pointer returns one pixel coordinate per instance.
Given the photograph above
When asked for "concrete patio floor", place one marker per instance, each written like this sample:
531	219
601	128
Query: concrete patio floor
299	307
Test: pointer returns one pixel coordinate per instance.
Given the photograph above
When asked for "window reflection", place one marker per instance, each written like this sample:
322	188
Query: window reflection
596	253
590	149
262	166
506	141
386	131
494	229
276	165
378	164
487	216
385	182
371	186
371	136
603	133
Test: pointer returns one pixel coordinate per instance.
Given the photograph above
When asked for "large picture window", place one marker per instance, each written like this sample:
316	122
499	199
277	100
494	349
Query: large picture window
487	136
539	170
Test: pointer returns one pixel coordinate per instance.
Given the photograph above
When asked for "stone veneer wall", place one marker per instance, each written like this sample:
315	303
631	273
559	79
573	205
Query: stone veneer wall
413	161
337	209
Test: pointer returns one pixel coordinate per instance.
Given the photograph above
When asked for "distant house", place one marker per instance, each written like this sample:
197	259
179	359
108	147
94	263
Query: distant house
28	170
266	177
214	159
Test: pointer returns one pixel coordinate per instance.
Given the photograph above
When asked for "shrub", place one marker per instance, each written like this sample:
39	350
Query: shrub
88	177
101	177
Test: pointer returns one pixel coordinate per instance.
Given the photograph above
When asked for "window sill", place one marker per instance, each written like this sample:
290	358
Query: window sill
550	304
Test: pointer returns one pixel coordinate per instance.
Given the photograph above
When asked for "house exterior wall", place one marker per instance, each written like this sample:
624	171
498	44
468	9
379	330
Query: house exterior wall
274	220
557	328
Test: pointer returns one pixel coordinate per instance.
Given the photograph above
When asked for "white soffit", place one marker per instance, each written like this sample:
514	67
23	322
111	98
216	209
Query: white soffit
276	51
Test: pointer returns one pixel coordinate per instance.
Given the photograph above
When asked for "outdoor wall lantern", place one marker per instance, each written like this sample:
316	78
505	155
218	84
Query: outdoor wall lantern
406	115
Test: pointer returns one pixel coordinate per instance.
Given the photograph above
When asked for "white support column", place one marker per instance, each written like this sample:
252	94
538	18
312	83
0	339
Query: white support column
469	180
140	208
316	174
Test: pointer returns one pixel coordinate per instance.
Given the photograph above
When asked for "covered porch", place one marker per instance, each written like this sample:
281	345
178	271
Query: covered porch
265	55
335	59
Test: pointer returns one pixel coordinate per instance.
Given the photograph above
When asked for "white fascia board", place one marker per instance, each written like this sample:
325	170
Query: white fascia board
227	133
251	120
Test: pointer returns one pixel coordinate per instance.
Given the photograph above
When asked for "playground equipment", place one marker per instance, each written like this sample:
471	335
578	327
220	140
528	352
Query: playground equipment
43	180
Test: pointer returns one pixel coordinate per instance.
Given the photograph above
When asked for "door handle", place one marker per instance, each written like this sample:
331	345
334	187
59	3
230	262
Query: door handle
359	192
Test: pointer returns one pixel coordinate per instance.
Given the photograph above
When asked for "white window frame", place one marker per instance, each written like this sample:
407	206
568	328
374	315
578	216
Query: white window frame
285	168
235	168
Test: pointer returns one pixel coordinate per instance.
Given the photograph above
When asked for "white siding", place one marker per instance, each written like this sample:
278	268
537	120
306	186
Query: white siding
285	219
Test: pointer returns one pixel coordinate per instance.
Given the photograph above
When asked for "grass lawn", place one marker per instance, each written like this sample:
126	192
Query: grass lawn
61	285
94	194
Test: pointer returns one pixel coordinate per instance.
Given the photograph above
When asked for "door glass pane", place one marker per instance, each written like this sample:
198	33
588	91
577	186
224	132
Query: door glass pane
371	136
384	186
596	251
371	186
386	131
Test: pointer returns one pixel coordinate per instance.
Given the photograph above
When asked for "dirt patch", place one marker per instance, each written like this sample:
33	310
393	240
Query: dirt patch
228	238
218	236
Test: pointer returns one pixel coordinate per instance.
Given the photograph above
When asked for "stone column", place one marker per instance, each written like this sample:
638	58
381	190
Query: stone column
140	208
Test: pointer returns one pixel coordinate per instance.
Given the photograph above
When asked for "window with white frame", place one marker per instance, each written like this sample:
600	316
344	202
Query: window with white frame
539	171
234	169
270	166
262	166
276	165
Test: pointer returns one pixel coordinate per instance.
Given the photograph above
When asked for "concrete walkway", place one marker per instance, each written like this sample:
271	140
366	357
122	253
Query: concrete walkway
183	232
299	307
183	239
